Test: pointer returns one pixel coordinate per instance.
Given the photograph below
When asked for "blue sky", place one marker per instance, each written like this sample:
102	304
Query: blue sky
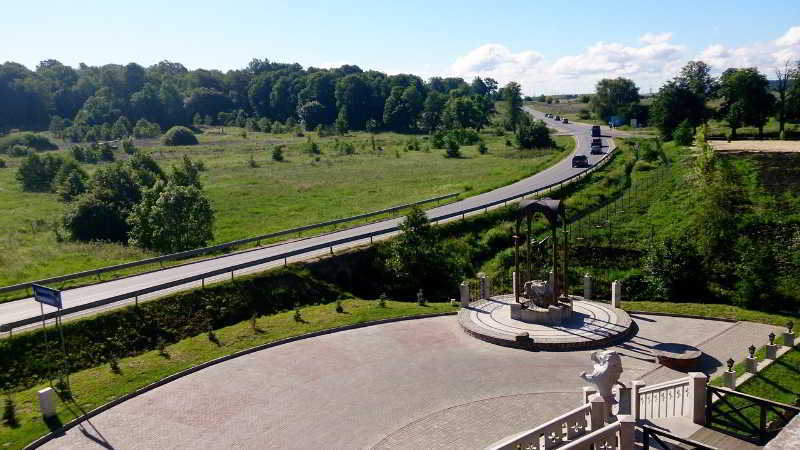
548	46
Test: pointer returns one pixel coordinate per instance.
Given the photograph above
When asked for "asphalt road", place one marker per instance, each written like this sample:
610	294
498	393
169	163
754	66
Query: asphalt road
28	308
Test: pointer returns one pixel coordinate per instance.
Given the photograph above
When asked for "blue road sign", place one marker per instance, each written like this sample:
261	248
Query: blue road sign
47	296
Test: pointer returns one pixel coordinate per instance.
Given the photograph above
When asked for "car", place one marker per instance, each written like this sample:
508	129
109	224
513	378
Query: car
595	130
565	120
596	150
597	141
580	161
558	118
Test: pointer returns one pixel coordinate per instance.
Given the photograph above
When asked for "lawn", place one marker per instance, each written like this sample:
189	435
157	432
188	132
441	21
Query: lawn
266	196
97	386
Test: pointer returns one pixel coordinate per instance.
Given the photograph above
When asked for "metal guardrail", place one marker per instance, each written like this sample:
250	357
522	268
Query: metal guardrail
655	434
214	248
284	256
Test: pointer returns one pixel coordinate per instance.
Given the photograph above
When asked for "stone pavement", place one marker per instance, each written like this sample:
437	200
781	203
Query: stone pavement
414	384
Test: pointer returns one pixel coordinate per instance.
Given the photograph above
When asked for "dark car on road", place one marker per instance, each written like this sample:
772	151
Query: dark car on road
596	150
595	130
565	120
580	161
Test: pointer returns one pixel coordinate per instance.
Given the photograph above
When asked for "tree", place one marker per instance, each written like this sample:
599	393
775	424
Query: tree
432	111
746	91
696	77
311	114
611	95
512	93
341	123
479	87
672	105
171	218
783	76
533	134
36	173
683	134
71	185
188	173
178	135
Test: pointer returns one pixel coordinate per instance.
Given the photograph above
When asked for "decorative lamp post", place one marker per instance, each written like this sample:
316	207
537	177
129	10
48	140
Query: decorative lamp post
752	350
789	326
730	363
771	338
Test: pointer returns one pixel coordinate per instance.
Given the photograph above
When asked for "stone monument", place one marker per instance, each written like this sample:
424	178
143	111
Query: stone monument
607	370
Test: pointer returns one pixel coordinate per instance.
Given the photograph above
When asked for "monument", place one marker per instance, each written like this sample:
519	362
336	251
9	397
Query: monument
541	301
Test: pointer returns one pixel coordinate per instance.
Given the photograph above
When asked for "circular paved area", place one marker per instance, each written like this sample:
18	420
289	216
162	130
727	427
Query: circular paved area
592	325
415	384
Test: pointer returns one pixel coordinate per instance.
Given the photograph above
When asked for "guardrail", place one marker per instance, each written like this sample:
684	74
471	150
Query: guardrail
284	256
214	248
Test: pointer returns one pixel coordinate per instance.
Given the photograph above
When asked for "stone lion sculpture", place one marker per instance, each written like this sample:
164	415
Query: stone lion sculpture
607	370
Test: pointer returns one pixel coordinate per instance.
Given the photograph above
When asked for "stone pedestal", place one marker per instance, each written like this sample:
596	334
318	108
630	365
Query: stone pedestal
587	287
514	283
616	294
623	395
552	315
697	385
788	339
729	378
47	402
463	289
485	285
772	351
751	365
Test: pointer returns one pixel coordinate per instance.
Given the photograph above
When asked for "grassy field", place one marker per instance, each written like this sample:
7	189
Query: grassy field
709	310
271	196
97	386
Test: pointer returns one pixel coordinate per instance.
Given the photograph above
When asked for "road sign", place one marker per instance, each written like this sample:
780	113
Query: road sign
47	296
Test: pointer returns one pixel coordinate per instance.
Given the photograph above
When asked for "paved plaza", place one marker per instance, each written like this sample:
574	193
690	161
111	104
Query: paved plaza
413	384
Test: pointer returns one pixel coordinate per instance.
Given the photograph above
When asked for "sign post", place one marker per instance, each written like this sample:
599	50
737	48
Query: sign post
45	295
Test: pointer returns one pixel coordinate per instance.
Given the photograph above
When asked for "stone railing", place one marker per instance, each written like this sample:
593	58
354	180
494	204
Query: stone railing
560	431
684	397
614	436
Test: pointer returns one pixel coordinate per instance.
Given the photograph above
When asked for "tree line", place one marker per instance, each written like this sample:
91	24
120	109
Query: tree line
111	101
746	98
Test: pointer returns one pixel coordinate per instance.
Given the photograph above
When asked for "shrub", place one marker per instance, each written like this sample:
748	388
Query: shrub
438	140
264	125
128	147
311	147
36	173
277	153
533	134
178	135
412	144
683	134
382	300
297	316
30	140
252	162
106	154
482	148
343	148
19	150
643	166
453	149
420	298
584	114
2	163
10	413
145	129
339	308
465	136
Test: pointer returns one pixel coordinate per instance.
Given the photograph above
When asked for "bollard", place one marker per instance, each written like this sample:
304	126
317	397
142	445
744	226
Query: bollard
636	386
587	287
616	294
597	413
464	291
47	402
788	339
482	289
697	384
627	431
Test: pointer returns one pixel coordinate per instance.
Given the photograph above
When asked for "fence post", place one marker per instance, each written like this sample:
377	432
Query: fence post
636	386
697	385
463	289
597	413
626	431
788	338
514	283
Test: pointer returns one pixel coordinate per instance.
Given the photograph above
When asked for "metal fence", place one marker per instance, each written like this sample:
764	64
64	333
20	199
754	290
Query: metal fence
215	248
462	213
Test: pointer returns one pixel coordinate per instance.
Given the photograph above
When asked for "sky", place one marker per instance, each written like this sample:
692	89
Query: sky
550	47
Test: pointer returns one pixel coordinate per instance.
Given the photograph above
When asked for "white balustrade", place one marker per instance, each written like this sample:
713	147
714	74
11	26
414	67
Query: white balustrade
552	434
684	397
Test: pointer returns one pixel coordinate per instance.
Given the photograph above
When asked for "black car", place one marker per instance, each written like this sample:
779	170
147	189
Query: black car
597	142
558	118
580	161
596	150
595	130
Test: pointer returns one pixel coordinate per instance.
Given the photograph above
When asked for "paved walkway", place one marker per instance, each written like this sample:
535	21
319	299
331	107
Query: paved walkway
414	384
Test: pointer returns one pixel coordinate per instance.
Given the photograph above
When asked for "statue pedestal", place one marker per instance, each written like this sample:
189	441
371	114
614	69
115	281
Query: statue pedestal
551	315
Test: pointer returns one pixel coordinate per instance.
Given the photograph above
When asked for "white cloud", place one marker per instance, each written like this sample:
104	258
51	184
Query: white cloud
613	59
790	38
655	38
496	59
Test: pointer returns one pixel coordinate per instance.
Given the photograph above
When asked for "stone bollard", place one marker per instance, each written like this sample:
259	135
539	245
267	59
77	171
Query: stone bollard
47	402
463	289
636	386
587	393
587	287
616	294
623	394
772	348
751	364
788	339
729	379
514	283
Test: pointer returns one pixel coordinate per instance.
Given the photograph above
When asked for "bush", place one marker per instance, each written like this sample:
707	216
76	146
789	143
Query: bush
178	135
128	147
343	148
145	129
465	136
10	413
19	150
438	140
311	147
453	150
683	134
482	148
106	154
36	173
533	134
2	163
277	153
643	166
584	114
29	140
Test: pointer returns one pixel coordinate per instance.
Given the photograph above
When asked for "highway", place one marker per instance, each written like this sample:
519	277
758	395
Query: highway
28	308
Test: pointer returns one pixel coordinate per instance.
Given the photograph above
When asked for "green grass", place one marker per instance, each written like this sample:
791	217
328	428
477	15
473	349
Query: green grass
709	310
94	387
779	382
274	196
